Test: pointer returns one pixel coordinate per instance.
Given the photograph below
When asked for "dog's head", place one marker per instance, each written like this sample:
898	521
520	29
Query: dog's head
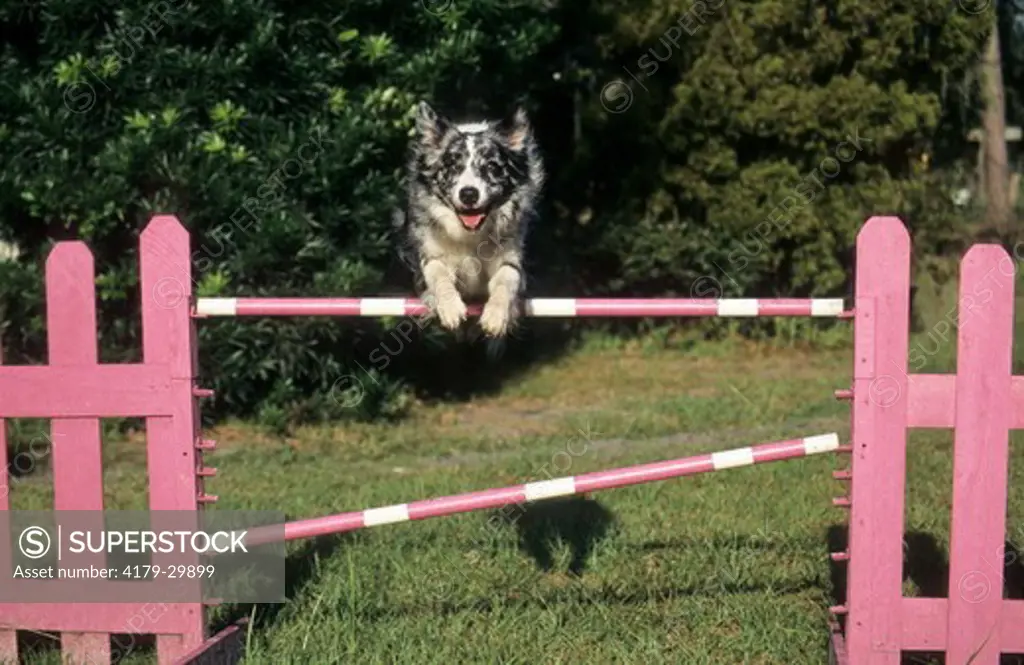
472	168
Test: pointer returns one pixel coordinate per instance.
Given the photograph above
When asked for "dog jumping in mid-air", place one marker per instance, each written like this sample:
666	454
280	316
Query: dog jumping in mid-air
472	195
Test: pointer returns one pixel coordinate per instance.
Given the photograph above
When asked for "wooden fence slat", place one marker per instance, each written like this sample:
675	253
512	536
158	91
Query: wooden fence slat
879	438
149	617
76	443
8	638
167	339
980	456
925	621
105	391
933	401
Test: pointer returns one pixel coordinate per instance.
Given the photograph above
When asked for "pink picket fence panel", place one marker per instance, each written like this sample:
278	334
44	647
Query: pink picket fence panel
75	392
982	402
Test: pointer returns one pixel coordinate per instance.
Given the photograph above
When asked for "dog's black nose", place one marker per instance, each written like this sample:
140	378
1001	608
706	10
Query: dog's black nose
469	196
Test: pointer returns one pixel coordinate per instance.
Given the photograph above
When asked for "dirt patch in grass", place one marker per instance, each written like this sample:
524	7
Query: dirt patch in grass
572	390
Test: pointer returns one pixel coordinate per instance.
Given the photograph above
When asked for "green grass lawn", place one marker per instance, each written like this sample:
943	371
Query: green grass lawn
721	568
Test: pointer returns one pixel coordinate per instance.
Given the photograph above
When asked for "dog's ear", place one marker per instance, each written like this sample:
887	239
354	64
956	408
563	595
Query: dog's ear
429	125
518	130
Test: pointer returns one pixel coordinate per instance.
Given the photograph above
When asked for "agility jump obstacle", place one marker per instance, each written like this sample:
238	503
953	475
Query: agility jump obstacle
874	626
534	307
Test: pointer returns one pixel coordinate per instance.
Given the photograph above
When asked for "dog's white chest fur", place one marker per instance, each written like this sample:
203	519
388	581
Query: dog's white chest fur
472	258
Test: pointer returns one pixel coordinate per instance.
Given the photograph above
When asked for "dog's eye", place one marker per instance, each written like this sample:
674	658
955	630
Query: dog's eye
494	171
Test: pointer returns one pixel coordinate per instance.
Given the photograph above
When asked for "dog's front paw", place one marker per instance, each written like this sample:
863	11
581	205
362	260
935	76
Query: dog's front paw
496	317
450	309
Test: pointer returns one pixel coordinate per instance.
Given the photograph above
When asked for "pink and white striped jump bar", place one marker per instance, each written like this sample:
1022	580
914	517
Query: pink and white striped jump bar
535	307
547	489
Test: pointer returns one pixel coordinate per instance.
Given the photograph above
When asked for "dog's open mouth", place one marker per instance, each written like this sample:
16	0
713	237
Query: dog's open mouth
471	219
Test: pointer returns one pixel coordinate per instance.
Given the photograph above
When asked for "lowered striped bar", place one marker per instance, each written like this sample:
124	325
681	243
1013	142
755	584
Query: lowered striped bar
535	307
546	489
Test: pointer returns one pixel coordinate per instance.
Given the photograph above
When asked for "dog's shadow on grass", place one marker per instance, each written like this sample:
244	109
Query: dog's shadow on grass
300	570
542	526
926	565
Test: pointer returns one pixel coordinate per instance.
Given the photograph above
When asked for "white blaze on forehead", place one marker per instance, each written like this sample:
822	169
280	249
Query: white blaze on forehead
473	127
469	177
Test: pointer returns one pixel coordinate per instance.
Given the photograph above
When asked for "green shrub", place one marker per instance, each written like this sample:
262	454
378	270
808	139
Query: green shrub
276	131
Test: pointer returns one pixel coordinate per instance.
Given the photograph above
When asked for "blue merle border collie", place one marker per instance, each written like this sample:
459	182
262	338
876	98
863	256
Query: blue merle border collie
472	195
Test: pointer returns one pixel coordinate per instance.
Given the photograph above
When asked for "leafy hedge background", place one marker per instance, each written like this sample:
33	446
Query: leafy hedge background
276	132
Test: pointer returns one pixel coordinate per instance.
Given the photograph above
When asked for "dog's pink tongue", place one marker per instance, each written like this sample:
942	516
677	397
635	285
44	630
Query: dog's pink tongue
472	221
